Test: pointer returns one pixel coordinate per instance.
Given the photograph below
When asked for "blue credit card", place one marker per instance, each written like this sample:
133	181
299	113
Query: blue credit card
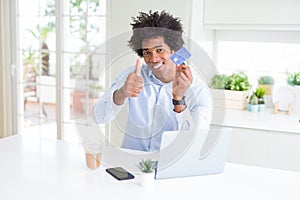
180	56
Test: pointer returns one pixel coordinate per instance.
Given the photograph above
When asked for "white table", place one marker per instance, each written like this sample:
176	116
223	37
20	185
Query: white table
37	169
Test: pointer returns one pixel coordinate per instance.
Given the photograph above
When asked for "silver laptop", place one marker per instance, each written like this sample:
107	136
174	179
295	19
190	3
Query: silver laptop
186	154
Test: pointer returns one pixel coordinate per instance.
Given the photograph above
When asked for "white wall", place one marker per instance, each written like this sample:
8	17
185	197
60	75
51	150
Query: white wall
253	14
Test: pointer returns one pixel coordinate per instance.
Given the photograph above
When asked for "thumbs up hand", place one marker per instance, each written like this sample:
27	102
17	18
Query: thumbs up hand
138	66
134	82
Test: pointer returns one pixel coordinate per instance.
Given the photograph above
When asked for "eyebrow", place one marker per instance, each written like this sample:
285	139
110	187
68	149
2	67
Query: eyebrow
155	47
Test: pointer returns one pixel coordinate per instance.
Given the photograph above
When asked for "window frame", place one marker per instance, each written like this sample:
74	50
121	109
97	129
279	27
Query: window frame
59	53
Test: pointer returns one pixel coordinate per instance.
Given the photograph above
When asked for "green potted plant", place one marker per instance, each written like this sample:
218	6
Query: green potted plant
260	93
147	167
230	91
256	102
219	81
252	106
238	82
82	103
41	33
266	82
293	78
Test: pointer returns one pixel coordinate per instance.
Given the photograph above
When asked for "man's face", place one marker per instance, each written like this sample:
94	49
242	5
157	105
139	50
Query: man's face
157	56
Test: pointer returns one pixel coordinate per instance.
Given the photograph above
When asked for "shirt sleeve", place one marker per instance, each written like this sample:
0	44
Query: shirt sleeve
105	110
199	109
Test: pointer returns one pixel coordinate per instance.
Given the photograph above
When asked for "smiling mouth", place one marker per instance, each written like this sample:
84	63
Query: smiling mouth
158	66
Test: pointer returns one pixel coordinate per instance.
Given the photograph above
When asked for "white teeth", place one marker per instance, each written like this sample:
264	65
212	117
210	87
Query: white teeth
157	66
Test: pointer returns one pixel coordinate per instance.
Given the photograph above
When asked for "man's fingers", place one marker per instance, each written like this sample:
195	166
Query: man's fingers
133	87
138	66
134	95
135	83
184	71
183	81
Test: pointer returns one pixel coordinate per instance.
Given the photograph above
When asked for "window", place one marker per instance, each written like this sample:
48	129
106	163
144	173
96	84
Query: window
258	53
54	43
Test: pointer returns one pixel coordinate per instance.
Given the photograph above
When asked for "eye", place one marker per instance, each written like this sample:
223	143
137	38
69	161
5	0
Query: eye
146	53
159	50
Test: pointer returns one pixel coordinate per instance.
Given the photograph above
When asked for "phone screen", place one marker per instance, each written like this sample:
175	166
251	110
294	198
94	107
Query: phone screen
119	173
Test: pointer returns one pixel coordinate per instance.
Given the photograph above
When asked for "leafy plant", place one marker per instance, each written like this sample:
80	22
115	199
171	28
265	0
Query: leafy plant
266	80
41	34
253	99
293	78
260	93
238	82
79	25
82	29
219	81
147	165
30	62
95	86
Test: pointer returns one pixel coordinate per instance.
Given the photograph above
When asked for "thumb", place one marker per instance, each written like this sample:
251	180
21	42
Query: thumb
138	66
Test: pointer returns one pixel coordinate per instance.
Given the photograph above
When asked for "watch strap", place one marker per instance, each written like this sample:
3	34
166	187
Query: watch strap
179	102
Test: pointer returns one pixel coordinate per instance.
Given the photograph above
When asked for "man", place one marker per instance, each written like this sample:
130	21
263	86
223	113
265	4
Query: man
160	95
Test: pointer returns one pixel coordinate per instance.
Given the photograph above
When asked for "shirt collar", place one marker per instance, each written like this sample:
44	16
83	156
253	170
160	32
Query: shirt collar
152	77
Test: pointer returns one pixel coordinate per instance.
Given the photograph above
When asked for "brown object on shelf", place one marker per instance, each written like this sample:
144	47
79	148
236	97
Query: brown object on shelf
276	108
269	88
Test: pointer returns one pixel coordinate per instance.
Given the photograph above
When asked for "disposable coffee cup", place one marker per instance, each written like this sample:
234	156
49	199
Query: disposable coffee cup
93	160
93	155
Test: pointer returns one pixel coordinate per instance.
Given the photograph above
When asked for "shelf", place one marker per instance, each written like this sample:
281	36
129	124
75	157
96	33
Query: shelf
265	120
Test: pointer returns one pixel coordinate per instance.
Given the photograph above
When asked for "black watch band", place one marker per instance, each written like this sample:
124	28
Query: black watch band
179	102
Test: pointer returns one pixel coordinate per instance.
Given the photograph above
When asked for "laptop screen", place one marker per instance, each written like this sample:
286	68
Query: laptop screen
191	154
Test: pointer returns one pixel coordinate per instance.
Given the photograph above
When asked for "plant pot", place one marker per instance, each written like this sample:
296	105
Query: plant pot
261	100
252	107
146	179
79	103
261	107
230	99
89	108
76	103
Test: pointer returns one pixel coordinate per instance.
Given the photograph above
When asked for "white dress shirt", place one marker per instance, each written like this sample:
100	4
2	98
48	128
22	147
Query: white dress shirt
151	112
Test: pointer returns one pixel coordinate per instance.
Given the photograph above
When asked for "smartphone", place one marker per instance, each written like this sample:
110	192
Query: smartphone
119	173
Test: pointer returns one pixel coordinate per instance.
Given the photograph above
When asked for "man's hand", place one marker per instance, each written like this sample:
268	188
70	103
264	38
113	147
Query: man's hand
183	79
132	86
134	82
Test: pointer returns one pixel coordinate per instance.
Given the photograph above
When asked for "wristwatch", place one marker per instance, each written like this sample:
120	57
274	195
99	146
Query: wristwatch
179	102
